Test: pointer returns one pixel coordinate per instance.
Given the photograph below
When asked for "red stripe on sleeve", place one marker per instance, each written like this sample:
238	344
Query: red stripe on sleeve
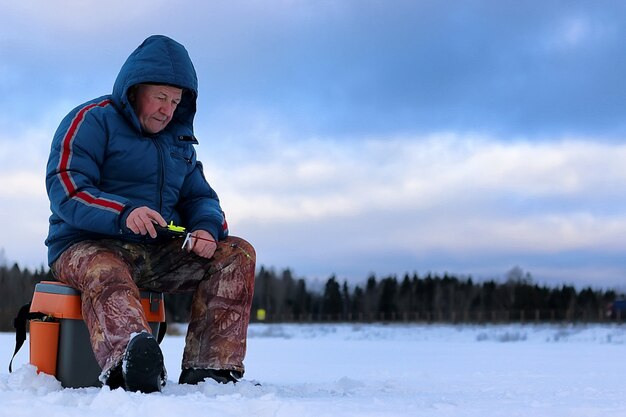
66	157
102	202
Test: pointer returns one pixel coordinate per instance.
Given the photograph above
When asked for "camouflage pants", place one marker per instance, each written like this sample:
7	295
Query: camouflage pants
109	272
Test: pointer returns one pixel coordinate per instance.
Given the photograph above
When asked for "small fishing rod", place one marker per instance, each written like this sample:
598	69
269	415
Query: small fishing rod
180	231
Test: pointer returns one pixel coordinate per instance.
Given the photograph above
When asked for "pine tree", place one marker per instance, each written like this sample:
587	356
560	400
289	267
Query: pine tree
332	304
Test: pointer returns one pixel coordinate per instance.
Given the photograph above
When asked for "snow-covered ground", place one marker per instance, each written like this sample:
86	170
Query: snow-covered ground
368	370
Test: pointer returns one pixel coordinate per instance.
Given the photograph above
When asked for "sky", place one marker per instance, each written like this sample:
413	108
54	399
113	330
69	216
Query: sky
358	137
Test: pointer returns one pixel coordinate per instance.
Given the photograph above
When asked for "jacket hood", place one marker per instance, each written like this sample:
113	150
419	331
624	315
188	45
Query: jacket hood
159	60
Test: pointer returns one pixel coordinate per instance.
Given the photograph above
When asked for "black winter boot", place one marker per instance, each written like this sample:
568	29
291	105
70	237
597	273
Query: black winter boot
143	367
194	376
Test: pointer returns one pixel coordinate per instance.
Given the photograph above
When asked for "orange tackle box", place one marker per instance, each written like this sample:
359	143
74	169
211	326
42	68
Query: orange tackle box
59	342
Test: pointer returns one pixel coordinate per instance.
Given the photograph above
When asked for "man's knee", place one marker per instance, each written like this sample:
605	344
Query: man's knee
246	249
235	279
106	272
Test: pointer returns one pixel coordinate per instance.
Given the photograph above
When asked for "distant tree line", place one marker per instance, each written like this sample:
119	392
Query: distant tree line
280	296
430	298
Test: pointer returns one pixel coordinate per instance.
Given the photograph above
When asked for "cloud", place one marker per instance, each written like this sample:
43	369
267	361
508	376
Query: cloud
353	136
402	201
496	68
422	173
445	196
351	68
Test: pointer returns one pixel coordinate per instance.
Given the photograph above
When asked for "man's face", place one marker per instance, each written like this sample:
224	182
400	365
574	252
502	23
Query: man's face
155	105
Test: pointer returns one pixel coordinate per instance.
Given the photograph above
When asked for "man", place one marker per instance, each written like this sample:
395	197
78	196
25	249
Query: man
121	168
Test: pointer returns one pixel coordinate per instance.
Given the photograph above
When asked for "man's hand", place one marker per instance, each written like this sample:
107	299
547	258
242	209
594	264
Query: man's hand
142	220
205	246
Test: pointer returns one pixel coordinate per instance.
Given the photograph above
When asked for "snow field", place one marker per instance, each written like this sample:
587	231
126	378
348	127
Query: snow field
368	370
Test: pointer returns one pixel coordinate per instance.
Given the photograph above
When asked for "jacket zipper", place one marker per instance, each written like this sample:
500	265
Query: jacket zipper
161	179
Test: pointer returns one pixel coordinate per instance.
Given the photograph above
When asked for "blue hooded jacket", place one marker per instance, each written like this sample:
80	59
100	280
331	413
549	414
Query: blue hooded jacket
102	166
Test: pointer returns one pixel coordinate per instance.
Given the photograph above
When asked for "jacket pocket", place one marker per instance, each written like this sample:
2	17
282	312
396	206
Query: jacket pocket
178	155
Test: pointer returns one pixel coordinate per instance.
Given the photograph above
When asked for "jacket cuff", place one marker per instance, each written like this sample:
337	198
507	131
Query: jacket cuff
122	219
211	228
